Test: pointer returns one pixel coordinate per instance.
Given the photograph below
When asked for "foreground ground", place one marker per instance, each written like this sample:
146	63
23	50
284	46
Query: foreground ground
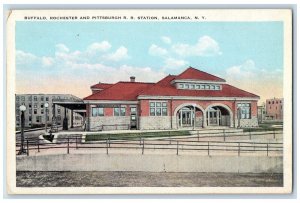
145	179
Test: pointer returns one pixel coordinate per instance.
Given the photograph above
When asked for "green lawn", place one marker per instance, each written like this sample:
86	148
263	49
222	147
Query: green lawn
130	136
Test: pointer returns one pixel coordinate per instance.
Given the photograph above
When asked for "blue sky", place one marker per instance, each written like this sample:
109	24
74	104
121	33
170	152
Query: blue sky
246	54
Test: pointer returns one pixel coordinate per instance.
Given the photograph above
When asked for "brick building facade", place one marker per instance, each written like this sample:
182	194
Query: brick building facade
274	108
192	99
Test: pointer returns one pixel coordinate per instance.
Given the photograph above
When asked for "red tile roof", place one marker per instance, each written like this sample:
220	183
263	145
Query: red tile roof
195	74
127	91
226	91
101	85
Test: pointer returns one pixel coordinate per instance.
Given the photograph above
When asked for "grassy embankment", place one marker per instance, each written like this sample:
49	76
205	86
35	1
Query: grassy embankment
130	136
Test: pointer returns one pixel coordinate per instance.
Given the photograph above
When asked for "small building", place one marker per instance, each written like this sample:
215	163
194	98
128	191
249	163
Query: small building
190	100
274	109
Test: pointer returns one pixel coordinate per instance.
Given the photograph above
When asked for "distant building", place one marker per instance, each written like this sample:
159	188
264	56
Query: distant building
35	114
274	109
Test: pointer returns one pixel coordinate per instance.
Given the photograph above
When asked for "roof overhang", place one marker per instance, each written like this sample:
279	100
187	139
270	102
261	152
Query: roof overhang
109	102
73	105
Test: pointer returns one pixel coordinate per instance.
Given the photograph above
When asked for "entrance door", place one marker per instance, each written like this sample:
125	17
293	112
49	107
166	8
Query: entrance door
213	117
133	118
186	118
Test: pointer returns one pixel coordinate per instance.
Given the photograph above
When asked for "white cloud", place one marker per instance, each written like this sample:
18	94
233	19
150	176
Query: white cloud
247	76
101	47
47	61
24	57
172	63
245	70
166	39
157	51
77	81
206	46
62	48
120	54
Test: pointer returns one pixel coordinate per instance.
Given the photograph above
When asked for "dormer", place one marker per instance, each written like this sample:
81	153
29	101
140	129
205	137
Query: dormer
100	86
194	79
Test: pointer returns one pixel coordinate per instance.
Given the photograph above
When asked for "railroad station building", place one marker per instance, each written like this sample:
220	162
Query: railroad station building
191	100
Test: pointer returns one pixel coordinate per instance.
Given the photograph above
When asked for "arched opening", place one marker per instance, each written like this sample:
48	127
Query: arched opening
190	116
217	116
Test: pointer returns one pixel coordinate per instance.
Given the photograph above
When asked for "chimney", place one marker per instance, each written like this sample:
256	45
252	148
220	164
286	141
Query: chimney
132	79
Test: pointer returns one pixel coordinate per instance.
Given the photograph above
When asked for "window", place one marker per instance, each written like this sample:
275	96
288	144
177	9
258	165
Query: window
97	111
133	117
42	98
42	111
23	98
17	98
30	111
200	86
18	118
158	109
29	105
35	105
35	98
152	109
244	110
29	118
42	105
35	111
58	111
47	98
18	111
30	98
58	118
133	109
38	119
119	111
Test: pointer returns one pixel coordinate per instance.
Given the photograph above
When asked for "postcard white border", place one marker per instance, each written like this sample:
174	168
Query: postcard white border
211	15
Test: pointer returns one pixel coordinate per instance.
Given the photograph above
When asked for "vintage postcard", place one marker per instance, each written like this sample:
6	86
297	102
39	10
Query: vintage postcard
145	101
